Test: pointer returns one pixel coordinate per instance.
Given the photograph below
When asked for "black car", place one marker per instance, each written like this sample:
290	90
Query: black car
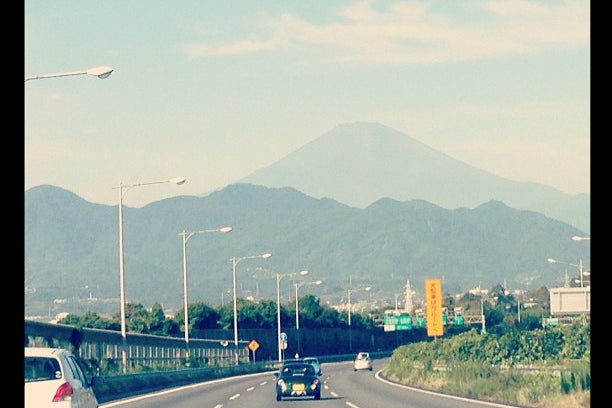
297	379
292	360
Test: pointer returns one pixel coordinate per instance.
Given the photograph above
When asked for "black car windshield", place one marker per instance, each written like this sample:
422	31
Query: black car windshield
297	370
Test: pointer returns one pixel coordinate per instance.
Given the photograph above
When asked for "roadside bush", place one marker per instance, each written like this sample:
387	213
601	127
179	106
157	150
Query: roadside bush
531	368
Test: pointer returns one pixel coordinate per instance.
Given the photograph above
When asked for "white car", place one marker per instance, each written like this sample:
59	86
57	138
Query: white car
362	361
54	379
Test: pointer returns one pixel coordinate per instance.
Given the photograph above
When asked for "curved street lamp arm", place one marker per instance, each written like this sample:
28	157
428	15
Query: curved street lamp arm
100	72
125	187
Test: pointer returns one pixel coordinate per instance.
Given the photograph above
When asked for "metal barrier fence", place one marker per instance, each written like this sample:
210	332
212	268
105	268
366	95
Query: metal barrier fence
208	348
105	347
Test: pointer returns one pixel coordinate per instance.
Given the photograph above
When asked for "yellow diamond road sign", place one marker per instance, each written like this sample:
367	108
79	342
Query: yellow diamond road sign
253	345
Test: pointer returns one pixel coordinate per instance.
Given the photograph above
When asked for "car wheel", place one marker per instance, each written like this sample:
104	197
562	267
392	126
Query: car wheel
279	397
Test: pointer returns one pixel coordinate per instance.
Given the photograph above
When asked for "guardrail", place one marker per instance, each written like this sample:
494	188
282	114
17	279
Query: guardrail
111	388
104	347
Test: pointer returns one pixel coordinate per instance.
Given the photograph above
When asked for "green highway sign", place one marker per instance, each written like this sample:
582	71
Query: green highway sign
391	320
401	321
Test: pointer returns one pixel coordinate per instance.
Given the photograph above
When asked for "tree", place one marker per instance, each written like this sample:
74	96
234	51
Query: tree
91	320
202	316
159	324
136	317
313	315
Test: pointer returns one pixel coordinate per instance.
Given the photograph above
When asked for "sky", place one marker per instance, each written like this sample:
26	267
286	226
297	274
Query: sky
214	90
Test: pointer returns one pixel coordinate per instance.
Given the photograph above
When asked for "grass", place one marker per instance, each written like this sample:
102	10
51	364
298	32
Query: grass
567	388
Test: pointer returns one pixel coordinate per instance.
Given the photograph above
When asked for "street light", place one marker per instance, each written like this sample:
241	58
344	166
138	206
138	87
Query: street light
349	312
123	188
579	238
234	263
580	269
278	316
186	235
349	300
297	309
100	72
223	292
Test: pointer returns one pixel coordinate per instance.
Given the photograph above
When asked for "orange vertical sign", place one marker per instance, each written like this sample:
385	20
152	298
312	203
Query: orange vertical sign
433	298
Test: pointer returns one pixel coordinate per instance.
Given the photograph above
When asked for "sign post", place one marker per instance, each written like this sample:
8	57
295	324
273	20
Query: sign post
283	344
253	346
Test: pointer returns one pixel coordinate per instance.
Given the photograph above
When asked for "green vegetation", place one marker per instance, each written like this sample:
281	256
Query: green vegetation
251	315
501	311
537	368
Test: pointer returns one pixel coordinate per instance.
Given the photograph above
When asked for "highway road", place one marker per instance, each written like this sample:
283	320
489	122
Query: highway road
342	388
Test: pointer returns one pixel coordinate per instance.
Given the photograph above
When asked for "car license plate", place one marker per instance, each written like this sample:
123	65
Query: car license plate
298	387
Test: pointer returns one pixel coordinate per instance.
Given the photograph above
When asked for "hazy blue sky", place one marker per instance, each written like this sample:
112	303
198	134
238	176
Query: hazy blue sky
214	90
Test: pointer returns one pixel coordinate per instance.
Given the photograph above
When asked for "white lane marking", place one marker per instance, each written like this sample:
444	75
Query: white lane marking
263	383
334	394
233	397
218	406
350	404
178	389
250	388
491	404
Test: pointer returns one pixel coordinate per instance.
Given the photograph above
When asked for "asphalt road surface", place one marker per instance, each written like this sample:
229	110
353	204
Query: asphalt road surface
342	388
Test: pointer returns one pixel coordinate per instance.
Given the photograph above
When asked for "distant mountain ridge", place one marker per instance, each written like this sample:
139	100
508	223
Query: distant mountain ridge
359	163
71	247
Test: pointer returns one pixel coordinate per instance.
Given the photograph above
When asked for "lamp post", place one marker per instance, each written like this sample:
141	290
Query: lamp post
123	188
579	266
349	300
349	312
234	263
223	292
297	309
186	235
278	315
579	238
100	72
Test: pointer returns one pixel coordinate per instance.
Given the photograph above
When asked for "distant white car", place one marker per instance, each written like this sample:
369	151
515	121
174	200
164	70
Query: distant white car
362	361
315	363
54	379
